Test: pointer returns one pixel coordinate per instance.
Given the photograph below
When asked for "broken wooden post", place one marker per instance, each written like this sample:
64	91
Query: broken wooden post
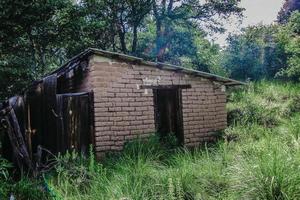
10	124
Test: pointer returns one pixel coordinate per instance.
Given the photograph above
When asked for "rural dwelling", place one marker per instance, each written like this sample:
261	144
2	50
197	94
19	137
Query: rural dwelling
105	99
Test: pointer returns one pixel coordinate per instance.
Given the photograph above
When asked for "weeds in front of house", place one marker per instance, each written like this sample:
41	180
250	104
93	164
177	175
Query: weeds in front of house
25	188
259	158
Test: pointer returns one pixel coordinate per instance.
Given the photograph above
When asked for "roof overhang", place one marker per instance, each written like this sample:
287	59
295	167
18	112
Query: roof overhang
113	55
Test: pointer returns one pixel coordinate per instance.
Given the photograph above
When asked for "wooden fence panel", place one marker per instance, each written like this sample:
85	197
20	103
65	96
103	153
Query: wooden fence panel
77	120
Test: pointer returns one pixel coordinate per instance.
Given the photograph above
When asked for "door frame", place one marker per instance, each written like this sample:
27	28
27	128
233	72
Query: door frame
179	115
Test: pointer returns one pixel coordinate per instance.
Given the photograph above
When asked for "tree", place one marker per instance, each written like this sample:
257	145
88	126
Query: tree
190	48
27	35
138	9
39	35
124	17
288	7
289	39
255	53
167	13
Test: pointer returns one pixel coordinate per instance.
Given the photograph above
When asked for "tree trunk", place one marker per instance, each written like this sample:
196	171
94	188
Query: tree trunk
162	29
159	41
122	34
134	40
122	41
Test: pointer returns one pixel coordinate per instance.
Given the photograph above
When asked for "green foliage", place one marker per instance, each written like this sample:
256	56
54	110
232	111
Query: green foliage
28	189
293	127
25	188
265	104
287	9
191	15
29	42
254	54
268	172
289	39
38	36
268	157
265	51
4	177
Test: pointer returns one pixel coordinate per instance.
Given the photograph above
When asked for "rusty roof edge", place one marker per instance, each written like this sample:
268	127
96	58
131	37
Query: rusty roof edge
225	81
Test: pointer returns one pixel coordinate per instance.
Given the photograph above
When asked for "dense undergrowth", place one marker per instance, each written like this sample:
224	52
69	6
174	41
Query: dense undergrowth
259	158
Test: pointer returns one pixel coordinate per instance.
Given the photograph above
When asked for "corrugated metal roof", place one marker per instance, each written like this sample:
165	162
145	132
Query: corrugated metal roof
68	66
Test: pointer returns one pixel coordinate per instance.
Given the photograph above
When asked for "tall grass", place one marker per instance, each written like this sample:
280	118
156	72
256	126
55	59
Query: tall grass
267	150
146	170
259	158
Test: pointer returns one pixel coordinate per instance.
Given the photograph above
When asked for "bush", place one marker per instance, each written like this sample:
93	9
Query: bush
25	188
263	103
4	177
28	188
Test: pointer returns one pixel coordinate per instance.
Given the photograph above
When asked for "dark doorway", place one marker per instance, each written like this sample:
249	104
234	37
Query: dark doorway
168	113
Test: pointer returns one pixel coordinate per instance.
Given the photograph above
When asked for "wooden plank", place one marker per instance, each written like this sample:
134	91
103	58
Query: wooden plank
50	110
180	130
92	119
74	94
34	101
77	121
18	105
17	141
84	118
67	123
60	125
167	87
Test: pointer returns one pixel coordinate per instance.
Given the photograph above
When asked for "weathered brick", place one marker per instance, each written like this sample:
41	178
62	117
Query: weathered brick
128	108
104	143
120	94
114	109
103	138
101	148
123	111
101	123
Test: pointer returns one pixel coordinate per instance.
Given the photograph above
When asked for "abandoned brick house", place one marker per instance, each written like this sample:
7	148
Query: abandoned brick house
106	99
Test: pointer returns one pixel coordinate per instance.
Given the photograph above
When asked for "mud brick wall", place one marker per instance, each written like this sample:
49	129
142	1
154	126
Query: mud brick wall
204	112
123	111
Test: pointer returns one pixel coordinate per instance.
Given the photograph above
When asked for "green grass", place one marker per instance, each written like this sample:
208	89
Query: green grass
259	158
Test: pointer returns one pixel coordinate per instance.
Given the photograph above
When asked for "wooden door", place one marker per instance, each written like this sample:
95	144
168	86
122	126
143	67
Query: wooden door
76	122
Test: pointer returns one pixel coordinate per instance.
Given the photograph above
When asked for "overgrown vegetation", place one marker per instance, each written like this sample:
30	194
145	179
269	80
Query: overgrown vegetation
258	158
38	36
265	51
24	188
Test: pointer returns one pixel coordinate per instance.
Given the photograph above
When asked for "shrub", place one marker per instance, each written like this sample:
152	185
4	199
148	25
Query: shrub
28	188
4	177
263	103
